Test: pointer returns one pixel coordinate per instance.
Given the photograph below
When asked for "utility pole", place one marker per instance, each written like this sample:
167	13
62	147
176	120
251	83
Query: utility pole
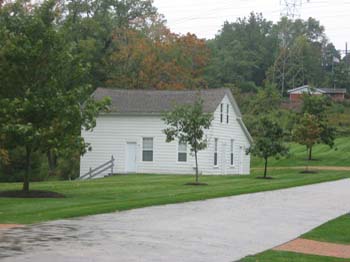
289	9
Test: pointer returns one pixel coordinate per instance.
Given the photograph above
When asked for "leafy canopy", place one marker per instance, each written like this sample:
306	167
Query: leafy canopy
48	100
187	123
307	132
268	139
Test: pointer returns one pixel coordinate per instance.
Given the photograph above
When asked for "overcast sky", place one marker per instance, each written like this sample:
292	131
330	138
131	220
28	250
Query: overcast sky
205	17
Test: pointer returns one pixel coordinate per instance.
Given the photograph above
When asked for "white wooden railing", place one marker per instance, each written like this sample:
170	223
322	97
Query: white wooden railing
98	170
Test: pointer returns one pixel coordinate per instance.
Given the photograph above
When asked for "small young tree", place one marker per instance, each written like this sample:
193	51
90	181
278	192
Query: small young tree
317	107
307	132
187	123
268	140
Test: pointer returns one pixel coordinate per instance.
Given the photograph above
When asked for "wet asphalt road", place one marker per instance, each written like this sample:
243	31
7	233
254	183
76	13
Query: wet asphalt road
223	229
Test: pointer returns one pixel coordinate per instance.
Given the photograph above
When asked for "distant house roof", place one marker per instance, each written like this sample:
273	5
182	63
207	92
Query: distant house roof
155	102
317	89
333	90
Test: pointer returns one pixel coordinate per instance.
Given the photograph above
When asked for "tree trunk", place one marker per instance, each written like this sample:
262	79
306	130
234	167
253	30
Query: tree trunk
310	153
52	161
195	154
28	169
265	169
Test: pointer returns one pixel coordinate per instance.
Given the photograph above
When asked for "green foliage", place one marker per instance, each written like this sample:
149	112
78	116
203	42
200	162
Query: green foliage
300	60
49	102
307	132
188	123
268	139
314	125
315	105
338	117
91	26
14	169
267	100
242	51
249	50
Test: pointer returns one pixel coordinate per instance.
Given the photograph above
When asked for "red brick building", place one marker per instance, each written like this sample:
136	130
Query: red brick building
337	94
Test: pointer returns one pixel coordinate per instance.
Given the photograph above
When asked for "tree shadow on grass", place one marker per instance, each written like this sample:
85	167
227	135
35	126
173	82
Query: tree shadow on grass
31	194
196	184
308	172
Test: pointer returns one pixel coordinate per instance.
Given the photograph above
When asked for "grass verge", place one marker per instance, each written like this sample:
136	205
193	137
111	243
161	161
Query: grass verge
334	231
136	191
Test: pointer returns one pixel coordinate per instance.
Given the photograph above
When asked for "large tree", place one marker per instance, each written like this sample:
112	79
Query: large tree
300	57
242	51
187	123
155	59
92	26
48	100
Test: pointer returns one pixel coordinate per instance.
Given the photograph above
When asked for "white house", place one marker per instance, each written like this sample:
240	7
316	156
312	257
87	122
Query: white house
133	134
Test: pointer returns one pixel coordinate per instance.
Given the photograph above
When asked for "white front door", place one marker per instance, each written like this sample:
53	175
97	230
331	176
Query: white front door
131	157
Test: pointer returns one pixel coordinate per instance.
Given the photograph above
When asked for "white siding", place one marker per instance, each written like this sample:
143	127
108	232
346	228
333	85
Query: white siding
225	132
112	133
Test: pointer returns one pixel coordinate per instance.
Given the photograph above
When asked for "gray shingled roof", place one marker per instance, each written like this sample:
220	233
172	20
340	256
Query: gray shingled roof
144	102
131	101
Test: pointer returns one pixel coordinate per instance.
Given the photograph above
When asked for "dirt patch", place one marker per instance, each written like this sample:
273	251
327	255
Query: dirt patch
31	194
327	168
312	247
8	226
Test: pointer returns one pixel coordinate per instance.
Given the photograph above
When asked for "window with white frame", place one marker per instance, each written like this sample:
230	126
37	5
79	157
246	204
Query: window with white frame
227	113
182	152
216	152
147	149
221	113
231	154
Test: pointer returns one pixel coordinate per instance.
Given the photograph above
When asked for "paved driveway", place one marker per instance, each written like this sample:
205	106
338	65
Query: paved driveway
223	229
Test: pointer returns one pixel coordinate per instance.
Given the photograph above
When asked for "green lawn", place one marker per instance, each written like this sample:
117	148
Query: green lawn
280	256
134	191
339	155
335	231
